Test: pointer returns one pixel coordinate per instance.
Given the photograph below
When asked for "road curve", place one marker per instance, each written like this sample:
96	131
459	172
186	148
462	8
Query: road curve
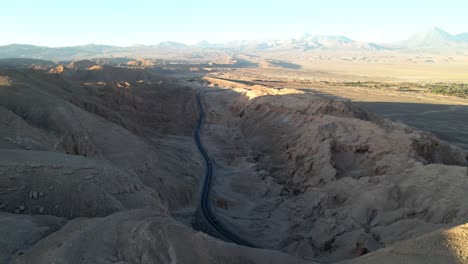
205	202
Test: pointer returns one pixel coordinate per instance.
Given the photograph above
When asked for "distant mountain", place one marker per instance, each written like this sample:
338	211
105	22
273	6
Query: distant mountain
25	63
305	43
38	52
238	45
463	36
170	45
433	38
339	43
86	51
203	44
21	51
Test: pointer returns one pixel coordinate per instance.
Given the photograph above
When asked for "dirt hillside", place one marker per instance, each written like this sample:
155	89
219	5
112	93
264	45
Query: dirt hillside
323	178
98	165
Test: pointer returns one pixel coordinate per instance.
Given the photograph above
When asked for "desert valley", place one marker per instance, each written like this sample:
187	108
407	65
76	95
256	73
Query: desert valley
317	149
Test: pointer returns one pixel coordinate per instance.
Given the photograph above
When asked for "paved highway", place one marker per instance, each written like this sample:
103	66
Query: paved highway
205	203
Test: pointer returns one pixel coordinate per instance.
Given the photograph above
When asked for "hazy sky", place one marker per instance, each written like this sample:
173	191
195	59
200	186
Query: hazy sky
127	22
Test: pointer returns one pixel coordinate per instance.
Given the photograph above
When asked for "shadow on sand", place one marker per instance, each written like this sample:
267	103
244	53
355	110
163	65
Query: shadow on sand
447	122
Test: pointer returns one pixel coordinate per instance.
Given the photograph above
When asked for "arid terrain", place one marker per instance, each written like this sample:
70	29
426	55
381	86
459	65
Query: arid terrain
408	102
312	162
324	178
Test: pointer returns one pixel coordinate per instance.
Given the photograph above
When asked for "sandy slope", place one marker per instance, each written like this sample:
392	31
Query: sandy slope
140	236
74	144
130	128
316	177
441	246
107	154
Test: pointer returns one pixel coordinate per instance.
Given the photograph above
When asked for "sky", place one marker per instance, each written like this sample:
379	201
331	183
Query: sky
127	22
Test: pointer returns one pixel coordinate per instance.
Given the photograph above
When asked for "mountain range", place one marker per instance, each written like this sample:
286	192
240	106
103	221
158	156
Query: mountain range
435	39
432	40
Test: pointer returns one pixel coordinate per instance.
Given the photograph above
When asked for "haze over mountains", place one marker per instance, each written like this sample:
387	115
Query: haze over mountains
463	36
433	40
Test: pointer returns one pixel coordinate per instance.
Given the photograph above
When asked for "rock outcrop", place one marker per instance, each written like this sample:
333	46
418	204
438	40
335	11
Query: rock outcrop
317	177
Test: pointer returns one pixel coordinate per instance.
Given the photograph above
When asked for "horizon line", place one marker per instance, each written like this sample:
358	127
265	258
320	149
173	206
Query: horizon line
227	41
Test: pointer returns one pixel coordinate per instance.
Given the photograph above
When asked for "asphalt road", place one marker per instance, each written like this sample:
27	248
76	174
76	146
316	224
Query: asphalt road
205	202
